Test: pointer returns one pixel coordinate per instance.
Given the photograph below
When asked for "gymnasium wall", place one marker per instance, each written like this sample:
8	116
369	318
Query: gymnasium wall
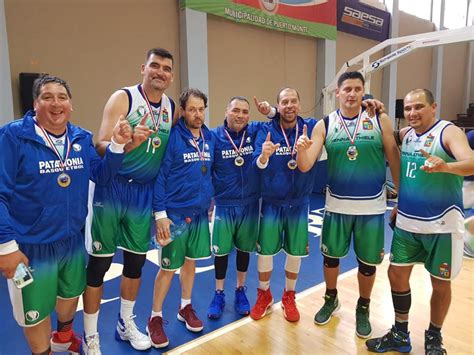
98	46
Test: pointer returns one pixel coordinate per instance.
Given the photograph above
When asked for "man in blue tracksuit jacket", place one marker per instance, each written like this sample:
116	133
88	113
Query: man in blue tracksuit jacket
285	201
182	196
236	213
44	177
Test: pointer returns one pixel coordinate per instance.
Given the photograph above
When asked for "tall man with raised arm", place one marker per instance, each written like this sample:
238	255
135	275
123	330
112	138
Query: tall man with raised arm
285	202
181	199
236	212
122	212
430	222
45	152
357	146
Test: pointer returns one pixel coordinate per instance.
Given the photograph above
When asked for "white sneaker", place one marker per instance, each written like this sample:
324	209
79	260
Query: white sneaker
127	331
91	345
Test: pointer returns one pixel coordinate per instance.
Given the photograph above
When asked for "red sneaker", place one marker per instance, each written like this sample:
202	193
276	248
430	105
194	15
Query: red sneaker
289	306
156	333
264	301
188	316
71	345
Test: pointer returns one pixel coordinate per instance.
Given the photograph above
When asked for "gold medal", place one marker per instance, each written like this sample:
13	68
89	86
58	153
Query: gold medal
64	180
292	164
239	161
156	142
203	169
352	152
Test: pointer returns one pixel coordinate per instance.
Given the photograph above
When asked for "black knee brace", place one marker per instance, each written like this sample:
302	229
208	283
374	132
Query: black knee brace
366	270
96	269
331	262
132	264
242	260
220	266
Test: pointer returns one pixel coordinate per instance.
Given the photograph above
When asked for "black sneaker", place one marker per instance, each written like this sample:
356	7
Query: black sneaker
434	343
392	341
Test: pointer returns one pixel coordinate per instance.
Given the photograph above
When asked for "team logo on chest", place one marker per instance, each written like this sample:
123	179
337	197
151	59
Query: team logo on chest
367	125
429	140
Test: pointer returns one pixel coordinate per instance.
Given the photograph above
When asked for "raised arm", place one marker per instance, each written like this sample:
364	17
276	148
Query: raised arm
310	149
117	106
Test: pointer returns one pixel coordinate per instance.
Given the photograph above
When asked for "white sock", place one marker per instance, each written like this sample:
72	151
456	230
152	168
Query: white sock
126	308
264	285
156	314
290	284
90	323
184	302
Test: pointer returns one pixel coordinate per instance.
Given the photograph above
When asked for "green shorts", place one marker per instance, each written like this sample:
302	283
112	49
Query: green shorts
235	225
440	253
193	243
283	227
121	218
368	232
59	270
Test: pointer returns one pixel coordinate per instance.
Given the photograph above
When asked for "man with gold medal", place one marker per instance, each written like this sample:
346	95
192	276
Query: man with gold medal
357	146
181	200
45	170
285	194
121	213
236	213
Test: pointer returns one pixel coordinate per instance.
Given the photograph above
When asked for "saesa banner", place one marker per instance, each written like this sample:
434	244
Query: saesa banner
316	18
363	20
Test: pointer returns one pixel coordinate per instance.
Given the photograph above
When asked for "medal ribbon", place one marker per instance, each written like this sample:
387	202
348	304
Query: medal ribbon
53	146
156	124
196	145
286	139
346	129
237	150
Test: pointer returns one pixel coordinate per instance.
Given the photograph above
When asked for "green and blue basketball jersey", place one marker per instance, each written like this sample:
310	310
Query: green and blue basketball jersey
142	163
356	170
428	202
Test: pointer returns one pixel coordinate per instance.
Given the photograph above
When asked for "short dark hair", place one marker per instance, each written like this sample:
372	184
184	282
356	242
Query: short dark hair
187	93
283	89
428	95
239	98
350	75
160	52
47	79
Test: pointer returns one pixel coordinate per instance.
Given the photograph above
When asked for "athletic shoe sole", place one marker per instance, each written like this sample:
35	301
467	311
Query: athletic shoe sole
119	337
158	346
267	310
188	327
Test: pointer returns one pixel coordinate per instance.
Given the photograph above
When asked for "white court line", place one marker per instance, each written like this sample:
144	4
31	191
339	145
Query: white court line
237	324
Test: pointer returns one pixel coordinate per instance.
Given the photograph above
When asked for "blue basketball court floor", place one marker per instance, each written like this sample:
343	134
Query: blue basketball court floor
311	274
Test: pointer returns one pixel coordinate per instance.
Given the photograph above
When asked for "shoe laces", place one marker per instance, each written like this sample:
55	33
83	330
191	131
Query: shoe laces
218	298
240	293
434	338
329	301
93	342
289	300
190	313
362	314
158	322
131	328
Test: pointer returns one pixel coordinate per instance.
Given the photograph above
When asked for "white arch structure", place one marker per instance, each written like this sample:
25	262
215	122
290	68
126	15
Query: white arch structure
422	40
